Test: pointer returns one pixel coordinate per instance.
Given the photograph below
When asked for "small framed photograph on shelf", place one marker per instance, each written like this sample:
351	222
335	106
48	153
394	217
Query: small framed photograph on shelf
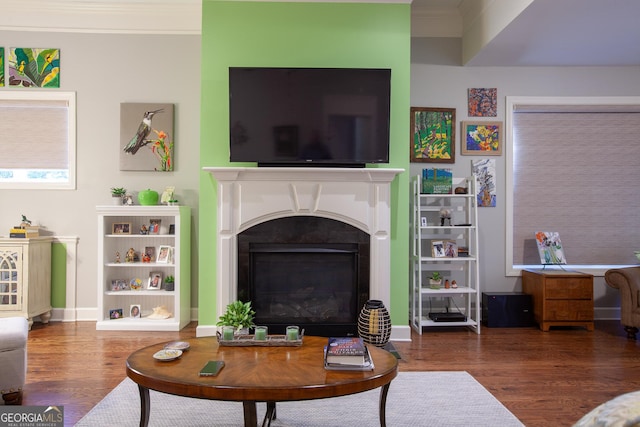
115	313
149	254
121	228
437	248
155	281
119	285
154	226
450	248
423	221
164	254
134	311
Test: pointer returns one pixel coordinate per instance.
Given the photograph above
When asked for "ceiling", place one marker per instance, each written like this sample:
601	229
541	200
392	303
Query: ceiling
492	32
536	32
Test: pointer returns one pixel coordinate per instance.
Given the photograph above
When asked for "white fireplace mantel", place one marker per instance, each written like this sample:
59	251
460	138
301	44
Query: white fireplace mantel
250	196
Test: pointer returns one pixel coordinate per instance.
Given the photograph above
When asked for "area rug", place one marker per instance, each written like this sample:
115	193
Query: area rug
415	399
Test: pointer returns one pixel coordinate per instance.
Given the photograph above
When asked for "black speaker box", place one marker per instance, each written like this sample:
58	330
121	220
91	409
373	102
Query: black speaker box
507	309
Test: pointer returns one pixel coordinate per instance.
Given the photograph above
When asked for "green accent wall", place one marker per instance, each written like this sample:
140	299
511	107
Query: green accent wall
58	275
359	35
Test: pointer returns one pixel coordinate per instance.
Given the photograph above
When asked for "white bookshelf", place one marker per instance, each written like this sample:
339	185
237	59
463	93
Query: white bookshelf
176	301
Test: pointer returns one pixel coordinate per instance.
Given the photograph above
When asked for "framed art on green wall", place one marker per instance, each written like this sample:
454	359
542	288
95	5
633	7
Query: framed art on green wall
433	135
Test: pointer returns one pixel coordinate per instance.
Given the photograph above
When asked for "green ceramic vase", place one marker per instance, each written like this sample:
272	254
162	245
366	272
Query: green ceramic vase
148	197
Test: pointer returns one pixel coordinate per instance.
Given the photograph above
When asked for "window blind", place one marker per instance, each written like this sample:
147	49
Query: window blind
34	134
576	170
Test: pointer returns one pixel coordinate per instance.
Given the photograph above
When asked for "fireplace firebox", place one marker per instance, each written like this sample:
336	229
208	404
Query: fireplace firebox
307	271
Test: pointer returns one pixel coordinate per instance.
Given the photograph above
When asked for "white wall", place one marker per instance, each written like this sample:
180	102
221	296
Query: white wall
437	80
105	70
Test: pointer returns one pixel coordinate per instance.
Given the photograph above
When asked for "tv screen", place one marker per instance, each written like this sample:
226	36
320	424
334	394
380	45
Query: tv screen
309	116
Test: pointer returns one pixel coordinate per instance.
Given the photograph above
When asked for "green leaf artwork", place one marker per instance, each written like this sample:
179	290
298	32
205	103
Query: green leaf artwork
34	67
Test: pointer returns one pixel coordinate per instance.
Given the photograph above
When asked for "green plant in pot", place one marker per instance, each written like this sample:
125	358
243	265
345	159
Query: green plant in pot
435	280
117	193
169	283
240	315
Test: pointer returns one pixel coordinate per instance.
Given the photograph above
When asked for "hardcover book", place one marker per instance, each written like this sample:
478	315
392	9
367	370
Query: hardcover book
437	181
346	351
367	364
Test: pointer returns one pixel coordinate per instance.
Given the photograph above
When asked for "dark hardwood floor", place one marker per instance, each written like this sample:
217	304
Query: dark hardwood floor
543	378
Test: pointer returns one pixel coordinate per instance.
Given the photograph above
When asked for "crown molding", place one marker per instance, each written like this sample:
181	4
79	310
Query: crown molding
182	17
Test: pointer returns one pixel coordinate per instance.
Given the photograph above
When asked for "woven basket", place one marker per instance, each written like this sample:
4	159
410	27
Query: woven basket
374	323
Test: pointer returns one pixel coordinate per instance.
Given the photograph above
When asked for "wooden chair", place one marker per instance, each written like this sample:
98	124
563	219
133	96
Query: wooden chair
627	281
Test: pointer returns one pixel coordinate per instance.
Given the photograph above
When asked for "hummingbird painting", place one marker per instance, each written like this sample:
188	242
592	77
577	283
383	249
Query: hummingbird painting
140	138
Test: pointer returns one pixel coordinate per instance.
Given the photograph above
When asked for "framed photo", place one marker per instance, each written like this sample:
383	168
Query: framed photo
437	248
119	285
172	229
450	249
149	254
423	221
433	134
154	226
121	228
481	138
116	313
155	281
135	311
164	254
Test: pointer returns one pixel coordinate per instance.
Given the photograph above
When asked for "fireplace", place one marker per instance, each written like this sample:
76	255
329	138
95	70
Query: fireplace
307	271
250	196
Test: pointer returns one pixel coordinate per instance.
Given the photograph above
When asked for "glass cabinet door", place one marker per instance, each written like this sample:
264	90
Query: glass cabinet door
10	286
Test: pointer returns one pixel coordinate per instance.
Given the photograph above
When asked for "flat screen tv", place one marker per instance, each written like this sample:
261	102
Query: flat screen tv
309	116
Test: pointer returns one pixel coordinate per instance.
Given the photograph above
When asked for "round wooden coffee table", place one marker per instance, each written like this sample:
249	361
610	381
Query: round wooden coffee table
256	374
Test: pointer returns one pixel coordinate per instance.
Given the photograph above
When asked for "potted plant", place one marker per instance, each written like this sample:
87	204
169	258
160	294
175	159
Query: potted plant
169	283
117	194
435	280
240	315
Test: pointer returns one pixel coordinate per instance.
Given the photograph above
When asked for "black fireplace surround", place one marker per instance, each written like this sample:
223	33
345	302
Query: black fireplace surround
307	271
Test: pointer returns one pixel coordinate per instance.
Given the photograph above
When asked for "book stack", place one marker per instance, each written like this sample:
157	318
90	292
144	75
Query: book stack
437	181
24	232
347	354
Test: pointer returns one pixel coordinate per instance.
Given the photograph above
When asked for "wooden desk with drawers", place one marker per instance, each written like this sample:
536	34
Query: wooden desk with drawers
560	298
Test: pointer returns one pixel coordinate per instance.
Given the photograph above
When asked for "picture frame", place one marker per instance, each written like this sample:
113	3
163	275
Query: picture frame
155	281
119	285
437	249
423	221
115	313
164	254
121	228
481	138
172	229
154	225
433	134
451	249
149	254
135	311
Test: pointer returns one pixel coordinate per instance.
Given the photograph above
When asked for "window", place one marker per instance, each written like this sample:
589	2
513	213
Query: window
38	140
572	167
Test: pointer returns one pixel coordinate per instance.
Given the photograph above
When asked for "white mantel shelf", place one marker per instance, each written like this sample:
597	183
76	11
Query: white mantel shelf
248	196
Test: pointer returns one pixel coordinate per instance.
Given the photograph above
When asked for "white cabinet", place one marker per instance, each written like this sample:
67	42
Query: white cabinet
461	232
119	230
25	278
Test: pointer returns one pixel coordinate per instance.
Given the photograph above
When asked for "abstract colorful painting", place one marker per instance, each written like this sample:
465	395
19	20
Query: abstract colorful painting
146	137
485	172
1	66
550	247
433	135
483	102
30	67
481	138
